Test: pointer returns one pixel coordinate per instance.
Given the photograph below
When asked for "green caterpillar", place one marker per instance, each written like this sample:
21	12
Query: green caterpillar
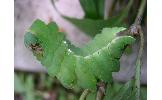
73	66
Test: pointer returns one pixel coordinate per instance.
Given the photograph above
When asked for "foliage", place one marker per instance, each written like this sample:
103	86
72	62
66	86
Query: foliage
18	85
93	23
93	9
24	87
34	86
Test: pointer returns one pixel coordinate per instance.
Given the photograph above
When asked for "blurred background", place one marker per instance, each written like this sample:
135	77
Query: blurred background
31	81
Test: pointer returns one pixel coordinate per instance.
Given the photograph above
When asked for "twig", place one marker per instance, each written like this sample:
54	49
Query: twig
140	11
138	66
84	94
100	94
139	56
101	91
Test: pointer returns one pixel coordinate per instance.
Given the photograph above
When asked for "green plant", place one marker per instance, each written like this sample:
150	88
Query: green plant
40	86
92	26
24	86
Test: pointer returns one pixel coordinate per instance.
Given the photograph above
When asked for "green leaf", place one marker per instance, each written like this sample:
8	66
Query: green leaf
93	9
18	84
24	86
92	26
72	69
119	91
111	90
143	93
125	92
29	86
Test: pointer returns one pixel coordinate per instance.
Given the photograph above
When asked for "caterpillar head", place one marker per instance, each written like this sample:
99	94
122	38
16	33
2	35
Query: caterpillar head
33	43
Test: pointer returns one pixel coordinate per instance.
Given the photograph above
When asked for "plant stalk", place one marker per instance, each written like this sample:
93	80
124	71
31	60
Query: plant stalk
139	56
101	90
100	95
138	67
84	94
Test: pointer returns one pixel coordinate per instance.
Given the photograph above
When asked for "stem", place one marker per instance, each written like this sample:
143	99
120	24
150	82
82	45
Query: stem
140	11
84	94
139	56
100	95
138	67
101	91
